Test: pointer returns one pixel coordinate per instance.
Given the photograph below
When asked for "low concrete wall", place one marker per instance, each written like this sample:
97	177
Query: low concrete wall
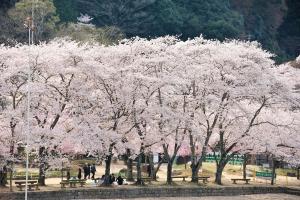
140	192
292	191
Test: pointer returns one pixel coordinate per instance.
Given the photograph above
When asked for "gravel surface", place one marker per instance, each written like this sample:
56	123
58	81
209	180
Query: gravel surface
246	197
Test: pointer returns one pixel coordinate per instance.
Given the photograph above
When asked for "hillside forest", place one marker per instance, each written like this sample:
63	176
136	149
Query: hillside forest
274	23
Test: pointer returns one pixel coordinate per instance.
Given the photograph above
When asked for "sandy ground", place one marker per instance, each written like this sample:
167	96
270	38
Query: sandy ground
53	183
115	168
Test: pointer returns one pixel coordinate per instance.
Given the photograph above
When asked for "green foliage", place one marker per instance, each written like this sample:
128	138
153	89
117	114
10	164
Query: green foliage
289	31
262	20
167	19
45	18
6	4
66	9
248	19
89	33
220	30
151	18
212	18
130	16
291	25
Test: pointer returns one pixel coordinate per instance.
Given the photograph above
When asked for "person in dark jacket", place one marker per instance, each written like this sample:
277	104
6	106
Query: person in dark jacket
85	171
93	171
120	180
79	174
89	171
112	179
68	174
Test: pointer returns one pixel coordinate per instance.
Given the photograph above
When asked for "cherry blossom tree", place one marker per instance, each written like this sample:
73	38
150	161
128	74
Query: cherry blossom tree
285	142
56	79
250	90
13	82
141	97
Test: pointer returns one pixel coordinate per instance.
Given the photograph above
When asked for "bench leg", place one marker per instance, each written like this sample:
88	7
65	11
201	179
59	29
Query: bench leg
234	182
183	179
74	185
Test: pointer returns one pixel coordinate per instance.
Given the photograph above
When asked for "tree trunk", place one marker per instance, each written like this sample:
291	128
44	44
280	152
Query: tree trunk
62	170
10	177
42	175
244	169
12	148
197	164
298	173
151	164
195	171
129	163
139	180
195	167
155	170
152	167
169	172
42	167
3	178
129	170
245	166
219	172
107	170
273	172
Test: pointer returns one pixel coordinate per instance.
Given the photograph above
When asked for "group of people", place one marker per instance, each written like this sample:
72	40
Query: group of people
88	169
111	179
89	173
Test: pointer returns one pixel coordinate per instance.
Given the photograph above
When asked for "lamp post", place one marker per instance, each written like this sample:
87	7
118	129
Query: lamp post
29	23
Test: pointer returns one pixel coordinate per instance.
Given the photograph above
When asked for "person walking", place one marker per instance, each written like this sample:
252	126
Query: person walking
89	171
79	174
68	174
85	170
93	171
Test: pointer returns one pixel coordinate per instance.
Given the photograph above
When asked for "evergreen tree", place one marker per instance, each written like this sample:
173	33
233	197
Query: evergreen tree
289	31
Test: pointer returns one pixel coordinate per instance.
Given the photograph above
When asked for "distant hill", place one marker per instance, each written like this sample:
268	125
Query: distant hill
274	23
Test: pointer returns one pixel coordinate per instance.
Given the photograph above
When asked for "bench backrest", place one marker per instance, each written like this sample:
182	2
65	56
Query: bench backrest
73	181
